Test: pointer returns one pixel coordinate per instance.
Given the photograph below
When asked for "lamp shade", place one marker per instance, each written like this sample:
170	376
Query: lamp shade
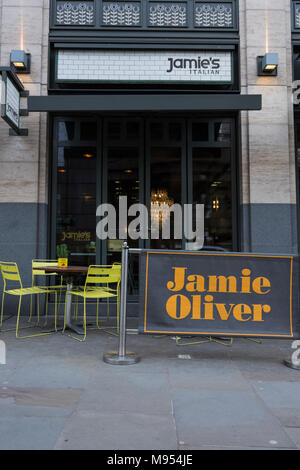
268	64
20	60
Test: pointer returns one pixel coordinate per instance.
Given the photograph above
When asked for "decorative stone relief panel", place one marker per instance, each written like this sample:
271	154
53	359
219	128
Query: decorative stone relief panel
167	14
297	16
149	14
75	13
213	15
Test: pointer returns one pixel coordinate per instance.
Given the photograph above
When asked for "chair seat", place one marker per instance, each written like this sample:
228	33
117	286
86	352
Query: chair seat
91	288
29	291
52	287
93	294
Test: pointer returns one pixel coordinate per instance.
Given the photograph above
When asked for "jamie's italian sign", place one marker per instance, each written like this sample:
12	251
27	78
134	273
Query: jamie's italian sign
136	66
219	294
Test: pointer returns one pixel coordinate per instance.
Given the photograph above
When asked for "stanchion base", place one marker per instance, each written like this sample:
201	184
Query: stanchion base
289	363
113	358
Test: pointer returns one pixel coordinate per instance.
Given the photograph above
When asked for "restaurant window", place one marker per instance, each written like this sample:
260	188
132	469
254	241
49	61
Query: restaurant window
174	160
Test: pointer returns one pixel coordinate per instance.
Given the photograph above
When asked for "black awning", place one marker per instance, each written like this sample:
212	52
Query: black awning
144	102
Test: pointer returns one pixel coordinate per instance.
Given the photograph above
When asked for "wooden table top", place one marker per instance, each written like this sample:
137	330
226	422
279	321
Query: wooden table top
60	270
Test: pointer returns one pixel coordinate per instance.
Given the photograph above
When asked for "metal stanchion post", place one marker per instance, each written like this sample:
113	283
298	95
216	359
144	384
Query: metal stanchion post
122	357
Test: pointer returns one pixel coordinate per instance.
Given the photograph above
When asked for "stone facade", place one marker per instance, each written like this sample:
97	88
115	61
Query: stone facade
268	221
24	24
268	191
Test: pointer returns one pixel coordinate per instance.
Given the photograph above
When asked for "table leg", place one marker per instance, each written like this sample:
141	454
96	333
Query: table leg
69	324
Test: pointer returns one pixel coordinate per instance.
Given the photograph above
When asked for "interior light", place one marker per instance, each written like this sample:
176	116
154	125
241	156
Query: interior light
87	155
270	67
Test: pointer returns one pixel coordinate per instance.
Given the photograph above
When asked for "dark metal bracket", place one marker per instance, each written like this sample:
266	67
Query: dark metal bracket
20	132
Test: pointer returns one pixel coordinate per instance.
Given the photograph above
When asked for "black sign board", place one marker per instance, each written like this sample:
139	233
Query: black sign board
227	294
11	90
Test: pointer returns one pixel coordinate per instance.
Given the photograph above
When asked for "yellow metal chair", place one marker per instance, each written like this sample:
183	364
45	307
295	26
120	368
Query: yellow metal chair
75	312
39	263
10	274
97	286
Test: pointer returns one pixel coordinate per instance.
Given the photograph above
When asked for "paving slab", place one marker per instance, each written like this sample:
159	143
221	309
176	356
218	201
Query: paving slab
207	374
29	433
122	431
226	417
126	392
294	434
57	393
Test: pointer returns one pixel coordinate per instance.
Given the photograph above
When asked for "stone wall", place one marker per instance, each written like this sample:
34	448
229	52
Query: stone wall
267	173
24	24
268	192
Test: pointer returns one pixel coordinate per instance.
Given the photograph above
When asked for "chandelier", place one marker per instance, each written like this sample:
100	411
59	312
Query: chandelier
160	204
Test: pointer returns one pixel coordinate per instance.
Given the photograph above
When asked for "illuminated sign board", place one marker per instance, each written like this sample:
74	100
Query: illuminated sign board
197	66
10	94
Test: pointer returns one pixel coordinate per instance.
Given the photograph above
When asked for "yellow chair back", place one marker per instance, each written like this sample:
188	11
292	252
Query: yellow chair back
10	272
103	275
39	263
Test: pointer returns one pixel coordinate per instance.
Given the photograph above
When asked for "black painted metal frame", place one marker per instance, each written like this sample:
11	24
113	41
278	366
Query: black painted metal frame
162	38
143	102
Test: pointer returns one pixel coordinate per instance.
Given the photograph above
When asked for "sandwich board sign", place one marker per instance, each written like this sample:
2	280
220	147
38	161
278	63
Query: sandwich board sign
228	294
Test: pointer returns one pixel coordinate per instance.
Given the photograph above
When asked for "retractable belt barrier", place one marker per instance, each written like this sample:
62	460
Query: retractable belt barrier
212	294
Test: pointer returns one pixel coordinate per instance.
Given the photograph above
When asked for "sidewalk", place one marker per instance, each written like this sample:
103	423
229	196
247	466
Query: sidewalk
57	393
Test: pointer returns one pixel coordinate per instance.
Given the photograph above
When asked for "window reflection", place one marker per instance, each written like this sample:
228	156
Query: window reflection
66	131
222	132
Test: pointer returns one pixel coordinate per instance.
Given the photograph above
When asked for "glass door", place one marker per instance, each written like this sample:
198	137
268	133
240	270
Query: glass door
122	185
212	179
74	176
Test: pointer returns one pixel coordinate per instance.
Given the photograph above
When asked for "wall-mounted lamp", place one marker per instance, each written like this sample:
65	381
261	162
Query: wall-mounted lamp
21	61
267	65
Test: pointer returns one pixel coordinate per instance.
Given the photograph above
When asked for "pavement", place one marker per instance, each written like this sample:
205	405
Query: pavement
58	394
